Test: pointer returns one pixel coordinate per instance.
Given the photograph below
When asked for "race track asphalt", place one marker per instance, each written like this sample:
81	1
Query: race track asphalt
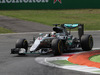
22	26
26	65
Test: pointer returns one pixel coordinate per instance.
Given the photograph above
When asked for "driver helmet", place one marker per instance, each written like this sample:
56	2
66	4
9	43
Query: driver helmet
53	34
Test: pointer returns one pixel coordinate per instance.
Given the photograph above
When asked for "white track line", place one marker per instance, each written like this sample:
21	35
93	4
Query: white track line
23	33
46	61
40	32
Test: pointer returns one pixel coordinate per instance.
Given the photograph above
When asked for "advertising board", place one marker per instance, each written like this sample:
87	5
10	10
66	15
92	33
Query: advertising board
48	4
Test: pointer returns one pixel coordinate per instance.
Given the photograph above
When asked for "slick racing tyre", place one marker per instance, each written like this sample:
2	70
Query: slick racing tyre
87	42
57	47
22	43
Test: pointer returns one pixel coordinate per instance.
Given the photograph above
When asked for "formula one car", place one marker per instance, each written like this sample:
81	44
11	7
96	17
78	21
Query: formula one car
58	42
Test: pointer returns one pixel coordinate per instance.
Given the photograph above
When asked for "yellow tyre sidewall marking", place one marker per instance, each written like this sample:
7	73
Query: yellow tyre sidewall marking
59	46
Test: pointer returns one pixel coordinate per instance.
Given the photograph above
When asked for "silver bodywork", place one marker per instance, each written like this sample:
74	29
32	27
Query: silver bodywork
45	40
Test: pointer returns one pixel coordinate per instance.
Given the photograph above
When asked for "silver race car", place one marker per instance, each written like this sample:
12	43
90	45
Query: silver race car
57	42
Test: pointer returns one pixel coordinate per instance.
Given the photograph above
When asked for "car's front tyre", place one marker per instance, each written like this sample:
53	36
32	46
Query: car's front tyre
22	43
57	46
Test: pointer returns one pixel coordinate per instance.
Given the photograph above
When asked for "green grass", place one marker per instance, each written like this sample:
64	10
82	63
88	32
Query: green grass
89	17
95	58
62	62
4	30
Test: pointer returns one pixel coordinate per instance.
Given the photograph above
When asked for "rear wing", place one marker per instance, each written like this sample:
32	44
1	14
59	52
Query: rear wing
80	28
72	26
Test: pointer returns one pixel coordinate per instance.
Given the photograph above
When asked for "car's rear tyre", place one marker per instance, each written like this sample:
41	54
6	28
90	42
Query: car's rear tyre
87	42
22	43
57	46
